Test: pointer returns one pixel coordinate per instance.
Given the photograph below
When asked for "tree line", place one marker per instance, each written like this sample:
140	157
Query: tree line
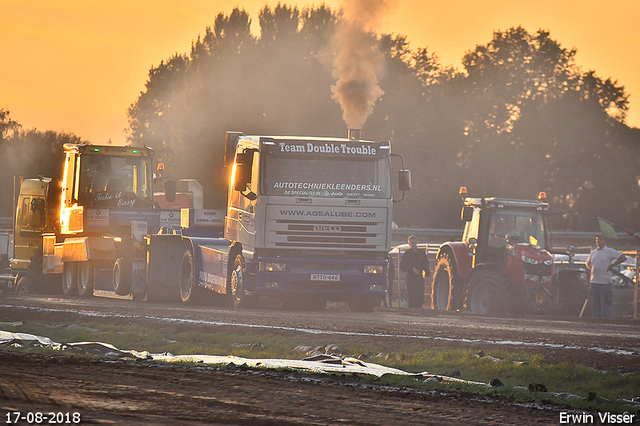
520	116
26	154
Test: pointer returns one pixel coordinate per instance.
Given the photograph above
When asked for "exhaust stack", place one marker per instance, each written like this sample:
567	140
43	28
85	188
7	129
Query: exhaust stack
354	134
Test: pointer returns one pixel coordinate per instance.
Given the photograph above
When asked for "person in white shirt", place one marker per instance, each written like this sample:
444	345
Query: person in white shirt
600	262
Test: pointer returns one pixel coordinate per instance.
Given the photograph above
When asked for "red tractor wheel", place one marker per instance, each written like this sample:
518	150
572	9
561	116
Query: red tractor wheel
447	285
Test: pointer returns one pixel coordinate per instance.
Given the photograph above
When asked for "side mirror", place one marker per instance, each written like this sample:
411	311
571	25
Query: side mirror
467	214
231	142
170	190
251	196
404	180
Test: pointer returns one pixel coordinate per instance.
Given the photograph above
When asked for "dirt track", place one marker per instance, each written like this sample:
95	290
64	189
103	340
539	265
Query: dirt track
128	392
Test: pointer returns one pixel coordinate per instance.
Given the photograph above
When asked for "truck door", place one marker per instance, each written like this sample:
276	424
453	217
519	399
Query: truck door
30	223
243	197
71	216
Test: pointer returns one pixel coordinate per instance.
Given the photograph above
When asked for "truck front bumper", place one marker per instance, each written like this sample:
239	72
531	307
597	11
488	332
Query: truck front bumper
333	278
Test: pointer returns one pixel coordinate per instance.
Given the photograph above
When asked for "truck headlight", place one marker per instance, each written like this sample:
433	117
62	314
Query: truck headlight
374	269
527	259
273	266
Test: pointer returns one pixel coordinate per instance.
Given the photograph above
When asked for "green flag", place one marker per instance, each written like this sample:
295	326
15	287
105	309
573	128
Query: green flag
606	229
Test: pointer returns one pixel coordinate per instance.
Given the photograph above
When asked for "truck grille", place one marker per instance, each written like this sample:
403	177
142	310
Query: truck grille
318	234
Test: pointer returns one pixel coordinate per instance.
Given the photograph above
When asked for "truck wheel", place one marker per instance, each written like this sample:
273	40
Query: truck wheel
237	289
447	285
69	278
85	279
486	292
187	278
24	286
121	279
362	304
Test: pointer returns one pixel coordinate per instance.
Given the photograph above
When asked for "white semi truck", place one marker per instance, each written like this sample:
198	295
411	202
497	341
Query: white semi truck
308	220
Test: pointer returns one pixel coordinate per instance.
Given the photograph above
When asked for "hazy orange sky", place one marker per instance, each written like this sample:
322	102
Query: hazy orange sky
77	65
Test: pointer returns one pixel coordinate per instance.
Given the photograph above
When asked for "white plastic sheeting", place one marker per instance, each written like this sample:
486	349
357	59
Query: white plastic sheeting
317	364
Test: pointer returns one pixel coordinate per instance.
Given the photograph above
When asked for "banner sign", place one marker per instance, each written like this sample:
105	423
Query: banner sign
336	149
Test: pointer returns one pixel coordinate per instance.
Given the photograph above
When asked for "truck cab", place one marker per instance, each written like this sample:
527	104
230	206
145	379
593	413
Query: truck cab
309	218
98	178
496	223
36	213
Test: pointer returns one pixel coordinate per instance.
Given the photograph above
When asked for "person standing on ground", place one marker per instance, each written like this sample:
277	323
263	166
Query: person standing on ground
416	264
600	262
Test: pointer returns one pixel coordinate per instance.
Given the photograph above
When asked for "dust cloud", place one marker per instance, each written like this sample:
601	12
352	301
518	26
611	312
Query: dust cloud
358	62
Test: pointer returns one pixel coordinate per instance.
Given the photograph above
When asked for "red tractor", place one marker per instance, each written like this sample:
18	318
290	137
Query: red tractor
503	262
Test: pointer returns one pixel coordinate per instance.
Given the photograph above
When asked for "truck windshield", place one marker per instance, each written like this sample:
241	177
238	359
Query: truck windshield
115	181
516	226
326	177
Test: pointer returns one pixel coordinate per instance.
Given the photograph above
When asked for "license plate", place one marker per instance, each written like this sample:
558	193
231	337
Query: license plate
325	277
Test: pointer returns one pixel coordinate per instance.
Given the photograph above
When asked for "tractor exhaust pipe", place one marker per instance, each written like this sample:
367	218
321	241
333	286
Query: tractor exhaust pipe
354	134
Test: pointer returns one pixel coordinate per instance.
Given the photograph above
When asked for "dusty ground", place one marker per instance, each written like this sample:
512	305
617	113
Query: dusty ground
139	392
134	393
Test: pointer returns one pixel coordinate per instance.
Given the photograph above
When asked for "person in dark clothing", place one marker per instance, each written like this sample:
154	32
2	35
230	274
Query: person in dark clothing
416	264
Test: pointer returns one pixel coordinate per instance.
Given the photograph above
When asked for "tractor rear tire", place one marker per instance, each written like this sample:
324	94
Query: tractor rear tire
447	285
487	292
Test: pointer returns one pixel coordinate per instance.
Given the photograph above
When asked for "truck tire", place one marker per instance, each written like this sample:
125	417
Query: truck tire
69	279
23	288
487	292
236	285
121	279
447	285
187	278
85	279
